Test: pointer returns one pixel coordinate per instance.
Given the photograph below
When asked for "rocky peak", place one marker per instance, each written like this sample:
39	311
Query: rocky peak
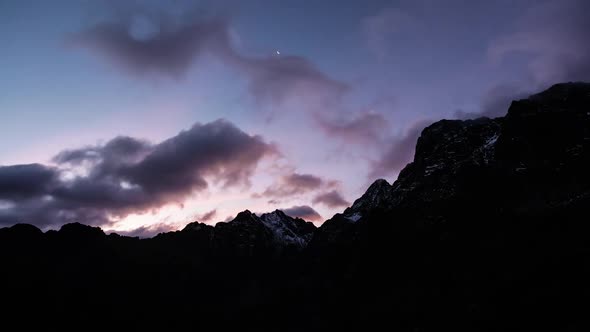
245	216
288	230
562	97
196	227
549	128
78	230
24	229
276	228
456	142
376	196
20	233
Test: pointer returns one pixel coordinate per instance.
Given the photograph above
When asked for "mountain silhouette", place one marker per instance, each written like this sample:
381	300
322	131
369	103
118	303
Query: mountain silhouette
485	230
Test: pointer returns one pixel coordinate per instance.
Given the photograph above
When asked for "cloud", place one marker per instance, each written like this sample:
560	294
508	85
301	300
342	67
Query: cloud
304	212
20	182
175	43
399	152
118	150
364	128
170	49
291	185
100	183
555	36
331	199
278	80
207	216
496	101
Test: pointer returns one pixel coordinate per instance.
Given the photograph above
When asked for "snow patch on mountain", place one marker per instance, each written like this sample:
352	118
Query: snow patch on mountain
354	217
287	230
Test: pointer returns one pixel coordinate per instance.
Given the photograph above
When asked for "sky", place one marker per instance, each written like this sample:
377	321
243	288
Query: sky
142	116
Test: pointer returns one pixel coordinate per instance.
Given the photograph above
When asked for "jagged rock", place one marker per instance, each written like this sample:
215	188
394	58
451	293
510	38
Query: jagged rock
542	145
378	195
288	231
80	231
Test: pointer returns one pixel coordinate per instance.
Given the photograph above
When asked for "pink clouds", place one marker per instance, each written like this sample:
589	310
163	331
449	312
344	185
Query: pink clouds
331	199
304	212
363	128
207	216
127	175
291	185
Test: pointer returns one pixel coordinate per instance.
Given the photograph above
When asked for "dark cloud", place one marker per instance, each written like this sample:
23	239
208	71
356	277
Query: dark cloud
19	182
170	50
293	184
331	199
303	181
177	42
207	216
399	152
277	80
304	212
126	175
364	128
555	37
118	150
218	149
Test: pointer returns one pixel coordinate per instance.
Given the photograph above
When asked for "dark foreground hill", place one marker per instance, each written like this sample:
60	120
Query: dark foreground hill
486	230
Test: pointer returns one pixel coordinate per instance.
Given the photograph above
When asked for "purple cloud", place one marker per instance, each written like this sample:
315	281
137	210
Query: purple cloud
555	36
177	43
170	50
20	182
304	212
207	216
291	185
277	80
364	128
331	199
127	175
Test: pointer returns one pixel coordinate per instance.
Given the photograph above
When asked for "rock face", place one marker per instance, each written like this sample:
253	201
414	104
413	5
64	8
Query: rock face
288	231
379	194
485	230
541	146
446	151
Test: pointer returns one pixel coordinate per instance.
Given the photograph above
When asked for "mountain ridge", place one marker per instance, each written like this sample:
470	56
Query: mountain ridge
483	231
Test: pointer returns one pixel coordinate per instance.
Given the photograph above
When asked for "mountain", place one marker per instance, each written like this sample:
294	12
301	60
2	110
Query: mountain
485	230
249	235
540	146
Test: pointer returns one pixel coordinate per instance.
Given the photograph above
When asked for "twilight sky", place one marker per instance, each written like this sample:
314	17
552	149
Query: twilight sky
141	116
